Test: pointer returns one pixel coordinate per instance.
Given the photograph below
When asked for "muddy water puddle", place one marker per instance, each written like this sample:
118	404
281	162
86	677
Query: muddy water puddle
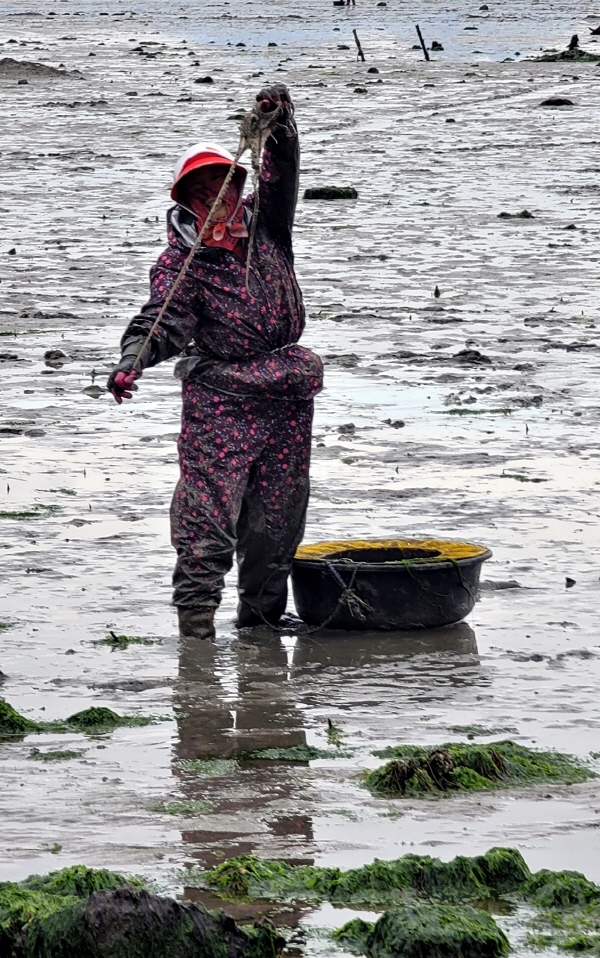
474	415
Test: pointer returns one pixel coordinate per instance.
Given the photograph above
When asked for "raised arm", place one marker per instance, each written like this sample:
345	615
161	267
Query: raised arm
278	186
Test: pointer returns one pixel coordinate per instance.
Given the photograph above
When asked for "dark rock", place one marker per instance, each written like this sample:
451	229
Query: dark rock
472	357
372	70
206	79
557	101
569	583
523	215
436	45
331	193
347	429
54	354
395	423
360	89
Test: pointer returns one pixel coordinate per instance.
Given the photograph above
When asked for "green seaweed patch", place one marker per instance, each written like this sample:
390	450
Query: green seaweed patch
295	753
354	935
98	719
418	772
334	733
64	492
56	755
208	767
565	889
79	881
499	872
5	625
34	512
187	809
93	721
13	723
115	641
436	931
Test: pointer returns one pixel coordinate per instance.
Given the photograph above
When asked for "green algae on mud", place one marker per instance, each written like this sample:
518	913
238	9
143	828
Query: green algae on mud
116	642
93	721
34	512
434	931
208	767
55	755
294	753
418	772
569	911
197	807
499	872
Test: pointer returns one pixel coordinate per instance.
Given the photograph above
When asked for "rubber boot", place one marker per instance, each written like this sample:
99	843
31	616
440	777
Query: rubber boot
196	623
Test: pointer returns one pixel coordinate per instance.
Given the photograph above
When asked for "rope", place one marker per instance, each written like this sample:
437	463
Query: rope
356	606
255	129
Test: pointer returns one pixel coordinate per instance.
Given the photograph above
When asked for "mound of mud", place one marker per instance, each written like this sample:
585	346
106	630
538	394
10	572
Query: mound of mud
437	931
576	55
82	913
29	70
418	772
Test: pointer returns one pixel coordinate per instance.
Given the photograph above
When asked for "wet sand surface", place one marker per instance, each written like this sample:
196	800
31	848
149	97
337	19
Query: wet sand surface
498	444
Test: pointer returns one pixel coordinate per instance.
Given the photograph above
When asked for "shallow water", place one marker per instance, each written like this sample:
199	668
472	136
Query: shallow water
82	184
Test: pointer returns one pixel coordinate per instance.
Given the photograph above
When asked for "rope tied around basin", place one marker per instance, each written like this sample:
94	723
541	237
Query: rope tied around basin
255	129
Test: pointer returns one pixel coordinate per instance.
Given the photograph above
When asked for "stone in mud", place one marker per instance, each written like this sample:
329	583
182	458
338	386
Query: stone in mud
82	913
436	931
472	357
523	215
331	192
557	101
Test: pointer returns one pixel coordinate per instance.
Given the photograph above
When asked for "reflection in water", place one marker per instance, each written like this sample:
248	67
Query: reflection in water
263	690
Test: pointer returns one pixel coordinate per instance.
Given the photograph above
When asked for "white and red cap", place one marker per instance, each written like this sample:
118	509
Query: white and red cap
204	154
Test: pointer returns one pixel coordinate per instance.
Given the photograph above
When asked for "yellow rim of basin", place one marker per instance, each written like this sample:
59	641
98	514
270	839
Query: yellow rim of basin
448	549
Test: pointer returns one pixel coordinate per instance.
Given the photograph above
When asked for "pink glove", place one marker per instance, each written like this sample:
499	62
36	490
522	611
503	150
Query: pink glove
121	383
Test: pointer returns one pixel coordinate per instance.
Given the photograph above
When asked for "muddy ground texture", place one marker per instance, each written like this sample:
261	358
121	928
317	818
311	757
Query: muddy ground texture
473	414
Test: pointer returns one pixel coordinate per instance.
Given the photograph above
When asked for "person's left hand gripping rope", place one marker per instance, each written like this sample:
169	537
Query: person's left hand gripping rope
121	382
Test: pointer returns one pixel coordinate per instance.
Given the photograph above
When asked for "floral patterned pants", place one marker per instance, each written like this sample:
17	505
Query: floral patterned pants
243	488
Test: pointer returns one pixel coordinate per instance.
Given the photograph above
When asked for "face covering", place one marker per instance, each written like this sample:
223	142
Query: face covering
227	226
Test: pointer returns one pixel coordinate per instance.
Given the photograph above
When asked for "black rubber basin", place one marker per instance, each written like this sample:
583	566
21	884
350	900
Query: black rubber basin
386	586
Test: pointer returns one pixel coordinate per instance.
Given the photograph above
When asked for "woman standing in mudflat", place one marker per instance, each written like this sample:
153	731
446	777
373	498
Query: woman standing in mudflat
248	388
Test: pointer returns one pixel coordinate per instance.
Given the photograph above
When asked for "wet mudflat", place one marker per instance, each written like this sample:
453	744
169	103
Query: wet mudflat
473	414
